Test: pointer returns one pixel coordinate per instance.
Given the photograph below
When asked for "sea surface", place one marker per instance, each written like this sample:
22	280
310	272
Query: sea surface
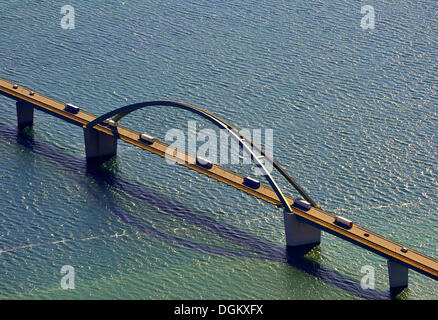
354	118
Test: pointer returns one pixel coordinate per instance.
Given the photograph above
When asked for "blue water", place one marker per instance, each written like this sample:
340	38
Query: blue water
355	119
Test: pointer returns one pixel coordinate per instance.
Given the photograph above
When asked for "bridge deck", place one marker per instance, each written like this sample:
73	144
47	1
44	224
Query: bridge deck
316	217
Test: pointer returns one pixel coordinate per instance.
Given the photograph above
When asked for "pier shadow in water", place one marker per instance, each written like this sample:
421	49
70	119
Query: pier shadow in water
252	247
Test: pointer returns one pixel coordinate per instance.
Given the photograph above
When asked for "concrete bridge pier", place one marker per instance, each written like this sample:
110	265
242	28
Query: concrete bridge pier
99	146
398	275
24	114
299	233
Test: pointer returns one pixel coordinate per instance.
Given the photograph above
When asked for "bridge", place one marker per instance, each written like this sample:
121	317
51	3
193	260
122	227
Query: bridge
302	226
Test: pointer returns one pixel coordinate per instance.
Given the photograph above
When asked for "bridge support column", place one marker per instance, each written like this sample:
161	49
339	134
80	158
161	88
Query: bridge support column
99	146
398	275
24	114
299	233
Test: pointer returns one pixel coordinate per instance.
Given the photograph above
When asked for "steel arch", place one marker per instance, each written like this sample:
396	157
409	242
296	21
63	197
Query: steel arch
246	143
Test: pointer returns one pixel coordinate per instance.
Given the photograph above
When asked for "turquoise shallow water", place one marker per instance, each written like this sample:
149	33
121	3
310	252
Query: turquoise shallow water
360	105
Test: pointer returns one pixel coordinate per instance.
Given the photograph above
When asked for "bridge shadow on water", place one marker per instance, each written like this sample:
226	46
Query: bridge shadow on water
251	246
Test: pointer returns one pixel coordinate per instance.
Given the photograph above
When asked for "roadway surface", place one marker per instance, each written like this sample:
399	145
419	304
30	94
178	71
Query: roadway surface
315	216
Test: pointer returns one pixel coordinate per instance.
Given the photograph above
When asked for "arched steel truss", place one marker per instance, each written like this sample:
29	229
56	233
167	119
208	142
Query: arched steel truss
246	143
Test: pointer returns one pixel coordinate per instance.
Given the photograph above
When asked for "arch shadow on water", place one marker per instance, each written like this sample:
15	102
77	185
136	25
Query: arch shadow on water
252	247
